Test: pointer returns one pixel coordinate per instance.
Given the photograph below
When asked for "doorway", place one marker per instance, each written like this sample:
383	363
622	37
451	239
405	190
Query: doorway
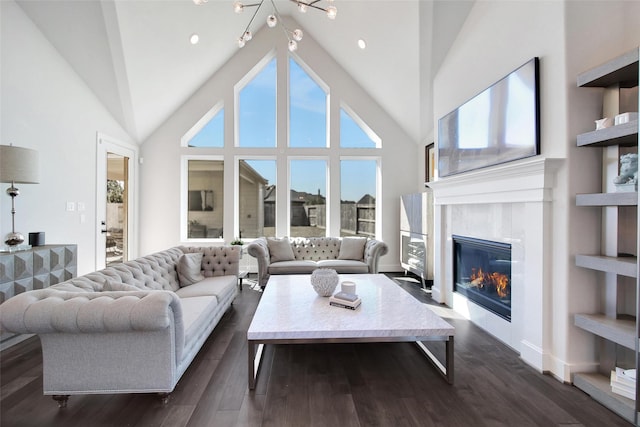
116	242
115	202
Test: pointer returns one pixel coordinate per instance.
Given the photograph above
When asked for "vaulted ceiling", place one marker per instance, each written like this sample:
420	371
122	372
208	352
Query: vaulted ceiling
136	57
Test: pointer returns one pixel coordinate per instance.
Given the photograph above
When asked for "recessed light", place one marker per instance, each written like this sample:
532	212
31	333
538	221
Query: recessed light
362	44
194	39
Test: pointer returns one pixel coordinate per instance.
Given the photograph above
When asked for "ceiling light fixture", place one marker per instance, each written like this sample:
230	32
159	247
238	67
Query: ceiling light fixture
273	19
194	39
362	44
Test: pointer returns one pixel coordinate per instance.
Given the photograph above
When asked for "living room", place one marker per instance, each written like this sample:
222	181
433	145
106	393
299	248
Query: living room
460	48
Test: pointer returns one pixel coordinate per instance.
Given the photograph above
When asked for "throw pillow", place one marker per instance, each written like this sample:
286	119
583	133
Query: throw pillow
352	248
280	249
111	285
190	268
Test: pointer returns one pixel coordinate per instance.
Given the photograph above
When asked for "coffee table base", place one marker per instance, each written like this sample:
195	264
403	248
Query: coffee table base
256	348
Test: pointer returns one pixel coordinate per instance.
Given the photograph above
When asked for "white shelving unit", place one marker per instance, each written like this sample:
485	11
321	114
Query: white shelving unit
617	326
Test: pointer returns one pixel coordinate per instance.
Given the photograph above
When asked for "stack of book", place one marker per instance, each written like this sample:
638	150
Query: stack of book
345	300
623	382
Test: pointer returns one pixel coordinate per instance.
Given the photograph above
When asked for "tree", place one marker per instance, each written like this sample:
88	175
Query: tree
114	191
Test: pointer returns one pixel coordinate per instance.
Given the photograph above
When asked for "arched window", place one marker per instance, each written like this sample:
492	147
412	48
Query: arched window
300	172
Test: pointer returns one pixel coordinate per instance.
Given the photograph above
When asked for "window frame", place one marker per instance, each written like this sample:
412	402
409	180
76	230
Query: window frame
240	85
236	194
327	177
365	128
201	124
184	196
323	86
378	195
282	154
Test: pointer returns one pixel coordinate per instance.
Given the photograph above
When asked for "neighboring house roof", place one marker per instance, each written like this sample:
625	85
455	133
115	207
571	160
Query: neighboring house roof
246	171
367	199
298	197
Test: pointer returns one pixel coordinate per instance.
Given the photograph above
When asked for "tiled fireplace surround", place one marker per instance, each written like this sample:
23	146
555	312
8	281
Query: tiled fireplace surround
510	203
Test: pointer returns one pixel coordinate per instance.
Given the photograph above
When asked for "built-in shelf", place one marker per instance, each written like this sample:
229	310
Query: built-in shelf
599	388
608	199
625	134
618	332
621	330
623	266
622	70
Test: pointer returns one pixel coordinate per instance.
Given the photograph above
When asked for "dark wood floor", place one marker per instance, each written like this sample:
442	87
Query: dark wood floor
334	385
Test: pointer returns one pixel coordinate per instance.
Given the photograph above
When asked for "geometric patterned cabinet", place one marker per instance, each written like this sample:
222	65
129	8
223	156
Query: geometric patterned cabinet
36	268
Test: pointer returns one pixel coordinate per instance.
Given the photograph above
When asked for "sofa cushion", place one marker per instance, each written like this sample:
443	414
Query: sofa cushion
344	266
280	249
190	268
352	248
292	267
218	286
196	313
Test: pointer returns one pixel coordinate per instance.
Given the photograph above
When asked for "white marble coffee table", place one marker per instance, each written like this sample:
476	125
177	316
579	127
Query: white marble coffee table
290	312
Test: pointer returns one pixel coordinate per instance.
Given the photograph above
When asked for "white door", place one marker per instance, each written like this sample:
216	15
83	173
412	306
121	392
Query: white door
116	186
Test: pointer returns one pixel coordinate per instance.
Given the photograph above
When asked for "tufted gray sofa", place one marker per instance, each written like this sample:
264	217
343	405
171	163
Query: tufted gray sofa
315	252
129	328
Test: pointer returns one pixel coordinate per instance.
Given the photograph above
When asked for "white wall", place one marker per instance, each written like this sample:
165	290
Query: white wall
160	172
47	107
496	38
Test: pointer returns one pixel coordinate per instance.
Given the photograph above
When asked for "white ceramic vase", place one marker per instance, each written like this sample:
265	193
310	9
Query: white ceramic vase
324	281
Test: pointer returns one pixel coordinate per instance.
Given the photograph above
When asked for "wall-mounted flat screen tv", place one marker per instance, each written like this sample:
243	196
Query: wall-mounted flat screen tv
498	125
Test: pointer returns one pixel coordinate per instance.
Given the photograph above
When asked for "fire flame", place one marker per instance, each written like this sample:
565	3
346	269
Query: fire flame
499	281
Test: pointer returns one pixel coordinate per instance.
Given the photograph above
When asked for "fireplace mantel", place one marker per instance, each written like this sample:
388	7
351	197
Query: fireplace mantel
511	202
528	180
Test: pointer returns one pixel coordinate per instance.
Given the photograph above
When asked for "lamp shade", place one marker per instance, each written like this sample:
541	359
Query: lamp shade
19	165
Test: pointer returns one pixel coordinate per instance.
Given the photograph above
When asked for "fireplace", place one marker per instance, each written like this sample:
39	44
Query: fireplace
482	273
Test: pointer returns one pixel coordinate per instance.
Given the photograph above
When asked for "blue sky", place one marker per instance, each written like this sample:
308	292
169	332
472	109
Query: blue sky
308	128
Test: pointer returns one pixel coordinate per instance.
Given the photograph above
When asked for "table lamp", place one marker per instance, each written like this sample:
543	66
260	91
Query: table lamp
17	165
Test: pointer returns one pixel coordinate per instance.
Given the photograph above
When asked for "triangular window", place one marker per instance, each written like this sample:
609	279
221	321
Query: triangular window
209	131
354	133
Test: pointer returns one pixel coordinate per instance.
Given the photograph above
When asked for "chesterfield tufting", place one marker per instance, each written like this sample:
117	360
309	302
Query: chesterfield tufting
300	255
130	328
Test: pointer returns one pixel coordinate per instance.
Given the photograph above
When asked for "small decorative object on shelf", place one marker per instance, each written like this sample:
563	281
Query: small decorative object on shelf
324	281
623	382
607	122
623	118
628	178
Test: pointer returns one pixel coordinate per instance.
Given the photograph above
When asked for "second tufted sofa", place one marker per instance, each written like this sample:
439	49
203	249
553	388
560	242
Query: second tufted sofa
130	328
309	253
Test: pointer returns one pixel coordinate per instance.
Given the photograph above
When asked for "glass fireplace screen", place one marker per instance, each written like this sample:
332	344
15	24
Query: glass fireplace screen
482	272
